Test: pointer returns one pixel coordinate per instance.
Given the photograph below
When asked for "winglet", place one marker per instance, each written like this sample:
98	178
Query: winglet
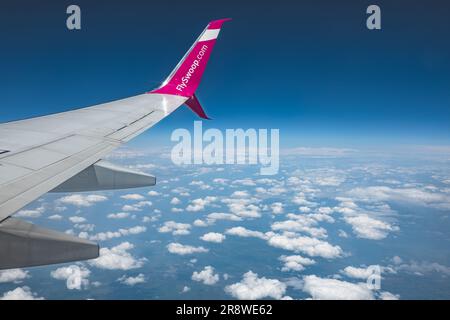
195	106
185	78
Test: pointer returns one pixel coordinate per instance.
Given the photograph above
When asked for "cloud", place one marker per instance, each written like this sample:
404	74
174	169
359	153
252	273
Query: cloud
369	228
333	289
243	232
34	213
185	289
253	288
175	228
202	185
133	196
77	277
242	207
102	236
310	246
200	204
200	223
358	273
13	275
131	281
55	217
175	201
421	268
223	216
277	208
119	215
137	207
207	276
117	258
295	263
301	224
21	293
388	296
213	237
408	195
154	193
178	248
77	219
322	152
80	200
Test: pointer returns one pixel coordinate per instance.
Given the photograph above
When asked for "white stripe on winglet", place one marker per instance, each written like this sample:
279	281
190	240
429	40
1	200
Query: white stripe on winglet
209	34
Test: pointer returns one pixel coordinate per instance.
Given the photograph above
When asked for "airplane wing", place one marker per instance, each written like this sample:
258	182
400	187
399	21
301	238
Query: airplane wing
63	153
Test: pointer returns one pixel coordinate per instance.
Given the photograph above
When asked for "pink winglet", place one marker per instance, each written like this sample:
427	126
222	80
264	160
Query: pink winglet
195	106
185	78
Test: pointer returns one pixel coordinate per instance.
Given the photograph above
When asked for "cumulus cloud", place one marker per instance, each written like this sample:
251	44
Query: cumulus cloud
277	208
200	204
175	228
295	263
359	273
117	258
21	293
133	196
102	236
310	246
251	287
207	276
213	237
131	281
30	213
300	224
137	206
200	223
55	217
13	275
369	228
119	215
243	207
175	201
180	249
223	216
333	289
77	277
408	195
243	232
154	193
80	200
77	219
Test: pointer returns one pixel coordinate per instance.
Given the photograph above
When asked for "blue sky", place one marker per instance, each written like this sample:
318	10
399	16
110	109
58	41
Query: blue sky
310	68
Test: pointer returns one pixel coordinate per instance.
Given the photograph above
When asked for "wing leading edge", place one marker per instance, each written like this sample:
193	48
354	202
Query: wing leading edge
39	155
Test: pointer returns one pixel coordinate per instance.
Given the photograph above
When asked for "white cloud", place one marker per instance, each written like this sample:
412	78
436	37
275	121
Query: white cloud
310	246
77	219
119	215
55	217
30	213
223	216
207	276
153	193
131	281
133	196
80	200
408	195
253	288
117	258
200	204
295	263
200	223
421	268
77	277
137	206
240	194
358	273
102	236
369	228
213	237
185	289
178	248
175	228
333	289
277	208
243	207
243	232
13	275
301	224
384	295
21	293
175	201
